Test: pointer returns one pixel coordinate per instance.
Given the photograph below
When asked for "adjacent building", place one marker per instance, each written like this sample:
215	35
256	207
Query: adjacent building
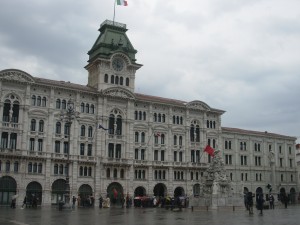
119	142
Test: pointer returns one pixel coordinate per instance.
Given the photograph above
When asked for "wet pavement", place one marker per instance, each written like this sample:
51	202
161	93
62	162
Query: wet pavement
148	216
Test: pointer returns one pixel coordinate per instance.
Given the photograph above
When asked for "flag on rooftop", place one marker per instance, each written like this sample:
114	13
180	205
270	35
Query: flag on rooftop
122	2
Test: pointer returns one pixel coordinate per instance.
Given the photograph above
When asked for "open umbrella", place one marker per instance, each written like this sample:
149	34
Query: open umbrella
14	197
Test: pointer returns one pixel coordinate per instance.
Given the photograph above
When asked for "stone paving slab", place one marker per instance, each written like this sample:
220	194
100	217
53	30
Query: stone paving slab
147	216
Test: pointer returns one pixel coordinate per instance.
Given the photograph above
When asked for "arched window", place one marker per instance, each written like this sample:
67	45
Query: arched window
40	168
85	171
119	125
159	117
117	80
136	137
127	81
39	101
33	100
105	78
122	174
143	137
155	117
197	133
58	103
82	131
115	173
192	132
81	171
162	139
82	107
181	120
111	124
112	79
207	124
177	119
180	140
144	115
58	128
33	125
16	167
63	104
90	172
140	115
121	80
34	168
90	131
135	115
67	129
163	118
92	109
175	140
44	101
41	126
30	167
87	108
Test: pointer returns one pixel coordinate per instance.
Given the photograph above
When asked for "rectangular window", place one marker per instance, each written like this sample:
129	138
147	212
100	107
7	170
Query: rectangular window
281	162
31	144
162	155
156	155
180	156
40	145
57	147
136	153
175	156
90	147
291	163
66	147
143	154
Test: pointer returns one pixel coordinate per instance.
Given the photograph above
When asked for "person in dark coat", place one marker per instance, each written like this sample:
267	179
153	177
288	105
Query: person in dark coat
271	201
260	203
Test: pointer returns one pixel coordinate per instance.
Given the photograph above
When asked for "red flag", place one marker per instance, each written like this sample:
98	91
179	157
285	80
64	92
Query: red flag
157	134
209	150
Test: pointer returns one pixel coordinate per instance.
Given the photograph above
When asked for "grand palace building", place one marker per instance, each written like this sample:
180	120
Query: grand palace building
103	137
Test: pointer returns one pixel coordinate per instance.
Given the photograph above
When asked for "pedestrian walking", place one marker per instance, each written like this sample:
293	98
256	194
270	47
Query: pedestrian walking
24	202
260	203
285	200
271	201
100	201
73	202
250	202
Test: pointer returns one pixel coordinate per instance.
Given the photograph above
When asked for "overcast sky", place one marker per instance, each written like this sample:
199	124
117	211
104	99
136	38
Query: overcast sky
241	56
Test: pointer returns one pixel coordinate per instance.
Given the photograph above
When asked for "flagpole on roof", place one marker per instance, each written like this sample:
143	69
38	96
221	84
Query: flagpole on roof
114	12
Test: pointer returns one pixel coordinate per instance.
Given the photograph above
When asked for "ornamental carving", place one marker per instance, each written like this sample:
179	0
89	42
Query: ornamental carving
119	93
16	75
198	105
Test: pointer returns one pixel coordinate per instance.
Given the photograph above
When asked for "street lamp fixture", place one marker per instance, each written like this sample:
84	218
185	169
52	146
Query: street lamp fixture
68	115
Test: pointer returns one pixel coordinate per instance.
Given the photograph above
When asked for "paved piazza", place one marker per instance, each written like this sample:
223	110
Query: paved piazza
147	216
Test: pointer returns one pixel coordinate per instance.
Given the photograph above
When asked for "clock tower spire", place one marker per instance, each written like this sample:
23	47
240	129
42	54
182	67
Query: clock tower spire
112	61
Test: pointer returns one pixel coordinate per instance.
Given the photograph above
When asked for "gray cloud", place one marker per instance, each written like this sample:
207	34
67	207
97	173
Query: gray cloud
239	56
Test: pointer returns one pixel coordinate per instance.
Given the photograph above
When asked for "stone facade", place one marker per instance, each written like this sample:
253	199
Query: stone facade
124	142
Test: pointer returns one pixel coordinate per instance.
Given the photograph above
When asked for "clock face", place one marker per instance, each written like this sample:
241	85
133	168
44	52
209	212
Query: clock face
118	64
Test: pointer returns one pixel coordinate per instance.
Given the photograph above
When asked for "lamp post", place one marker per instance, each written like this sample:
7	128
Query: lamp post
68	116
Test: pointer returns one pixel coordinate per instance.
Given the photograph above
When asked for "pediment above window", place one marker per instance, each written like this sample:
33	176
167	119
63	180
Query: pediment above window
119	92
198	105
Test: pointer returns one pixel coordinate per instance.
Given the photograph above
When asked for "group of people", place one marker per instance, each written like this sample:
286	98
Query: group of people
31	201
88	201
260	201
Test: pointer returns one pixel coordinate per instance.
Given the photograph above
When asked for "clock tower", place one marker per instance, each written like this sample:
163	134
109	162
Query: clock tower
112	62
